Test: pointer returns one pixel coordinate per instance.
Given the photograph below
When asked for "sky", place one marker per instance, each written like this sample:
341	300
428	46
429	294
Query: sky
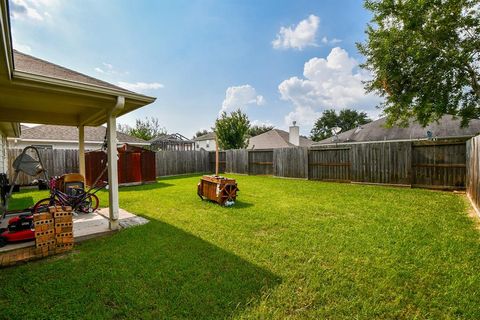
279	61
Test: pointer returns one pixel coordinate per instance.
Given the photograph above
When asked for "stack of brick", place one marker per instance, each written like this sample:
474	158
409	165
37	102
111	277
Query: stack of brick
63	228
44	233
53	234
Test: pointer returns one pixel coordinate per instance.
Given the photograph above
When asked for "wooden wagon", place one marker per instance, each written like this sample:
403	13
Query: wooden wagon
218	189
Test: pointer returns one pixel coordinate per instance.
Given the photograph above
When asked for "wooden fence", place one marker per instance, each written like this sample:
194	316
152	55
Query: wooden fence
56	161
182	162
473	171
430	164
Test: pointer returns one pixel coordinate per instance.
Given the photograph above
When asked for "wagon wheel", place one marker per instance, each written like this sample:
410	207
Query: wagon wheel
229	192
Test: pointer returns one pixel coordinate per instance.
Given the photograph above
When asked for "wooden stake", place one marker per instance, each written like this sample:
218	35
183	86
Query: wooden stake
216	156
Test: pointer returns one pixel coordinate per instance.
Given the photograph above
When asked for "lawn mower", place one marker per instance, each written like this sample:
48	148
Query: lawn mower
20	227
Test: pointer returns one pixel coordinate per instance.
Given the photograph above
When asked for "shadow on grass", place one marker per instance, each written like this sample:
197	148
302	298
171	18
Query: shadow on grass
152	271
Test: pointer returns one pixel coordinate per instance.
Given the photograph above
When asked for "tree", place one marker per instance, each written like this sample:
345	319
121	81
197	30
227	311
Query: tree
347	119
144	129
200	133
232	130
255	130
425	58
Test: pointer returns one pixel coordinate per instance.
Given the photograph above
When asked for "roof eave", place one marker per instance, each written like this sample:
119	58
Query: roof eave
79	86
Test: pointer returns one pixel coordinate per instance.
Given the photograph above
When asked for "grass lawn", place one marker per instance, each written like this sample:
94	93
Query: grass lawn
287	249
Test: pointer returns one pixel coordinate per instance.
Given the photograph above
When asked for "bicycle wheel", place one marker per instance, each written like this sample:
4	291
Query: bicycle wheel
42	205
90	204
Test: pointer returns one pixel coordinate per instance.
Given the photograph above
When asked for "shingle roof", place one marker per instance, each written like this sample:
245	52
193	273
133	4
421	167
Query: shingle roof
26	63
208	136
68	133
275	138
446	127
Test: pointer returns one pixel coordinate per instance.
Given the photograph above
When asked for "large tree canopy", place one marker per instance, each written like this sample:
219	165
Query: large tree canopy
232	130
144	129
255	130
347	119
425	58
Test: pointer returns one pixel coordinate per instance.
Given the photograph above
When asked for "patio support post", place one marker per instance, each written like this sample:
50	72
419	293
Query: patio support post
113	201
81	149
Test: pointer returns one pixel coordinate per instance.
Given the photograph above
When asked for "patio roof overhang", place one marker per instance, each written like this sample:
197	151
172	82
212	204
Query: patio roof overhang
36	98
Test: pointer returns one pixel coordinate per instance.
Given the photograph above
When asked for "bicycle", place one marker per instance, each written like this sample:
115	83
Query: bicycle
79	200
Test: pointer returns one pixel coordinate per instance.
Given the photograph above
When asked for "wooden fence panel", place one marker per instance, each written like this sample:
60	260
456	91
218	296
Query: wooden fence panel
236	161
384	163
56	162
290	162
473	170
181	162
222	157
439	165
329	164
260	162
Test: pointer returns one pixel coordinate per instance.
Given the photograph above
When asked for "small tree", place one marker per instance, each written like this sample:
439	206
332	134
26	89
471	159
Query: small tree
425	58
347	119
144	129
200	133
256	130
232	130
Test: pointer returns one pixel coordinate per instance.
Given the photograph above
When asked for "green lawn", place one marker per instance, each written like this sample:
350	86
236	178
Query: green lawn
287	249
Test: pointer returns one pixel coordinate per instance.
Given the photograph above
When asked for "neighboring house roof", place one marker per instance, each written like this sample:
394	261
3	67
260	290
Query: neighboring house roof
275	138
53	133
446	127
30	64
208	136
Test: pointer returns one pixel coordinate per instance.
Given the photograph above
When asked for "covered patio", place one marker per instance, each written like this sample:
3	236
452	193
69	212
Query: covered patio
36	91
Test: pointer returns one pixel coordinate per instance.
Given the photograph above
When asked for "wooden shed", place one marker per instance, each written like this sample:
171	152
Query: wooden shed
135	165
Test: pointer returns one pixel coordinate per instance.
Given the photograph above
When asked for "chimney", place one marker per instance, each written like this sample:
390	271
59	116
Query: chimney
294	134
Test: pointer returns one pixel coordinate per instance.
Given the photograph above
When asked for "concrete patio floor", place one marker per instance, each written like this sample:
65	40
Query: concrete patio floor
86	226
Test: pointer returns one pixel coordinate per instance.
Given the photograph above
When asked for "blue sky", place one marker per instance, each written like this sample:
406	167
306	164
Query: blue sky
277	60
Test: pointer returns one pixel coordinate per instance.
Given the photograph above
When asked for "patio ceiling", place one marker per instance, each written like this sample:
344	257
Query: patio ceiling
42	92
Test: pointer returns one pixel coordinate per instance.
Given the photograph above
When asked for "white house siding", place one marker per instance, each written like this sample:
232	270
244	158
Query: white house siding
54	145
208	145
17	144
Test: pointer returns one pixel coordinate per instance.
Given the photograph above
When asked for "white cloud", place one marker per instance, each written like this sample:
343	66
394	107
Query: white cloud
331	82
261	123
299	36
36	10
241	97
140	86
107	68
327	41
21	47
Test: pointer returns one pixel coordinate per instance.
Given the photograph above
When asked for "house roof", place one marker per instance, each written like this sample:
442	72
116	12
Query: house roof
446	127
69	133
208	136
275	138
27	63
